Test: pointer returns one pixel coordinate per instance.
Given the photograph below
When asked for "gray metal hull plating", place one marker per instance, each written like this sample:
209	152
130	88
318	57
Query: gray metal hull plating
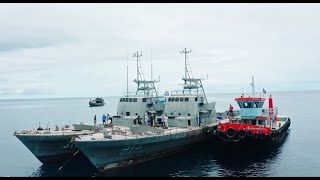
106	155
49	149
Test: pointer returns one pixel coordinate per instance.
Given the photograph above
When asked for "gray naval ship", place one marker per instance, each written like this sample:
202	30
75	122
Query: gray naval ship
54	145
132	139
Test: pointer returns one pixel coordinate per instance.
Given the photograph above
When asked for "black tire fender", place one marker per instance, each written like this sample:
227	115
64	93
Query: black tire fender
231	133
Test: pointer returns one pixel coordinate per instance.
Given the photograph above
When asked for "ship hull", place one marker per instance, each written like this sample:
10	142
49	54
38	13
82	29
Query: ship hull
49	149
96	104
106	155
278	136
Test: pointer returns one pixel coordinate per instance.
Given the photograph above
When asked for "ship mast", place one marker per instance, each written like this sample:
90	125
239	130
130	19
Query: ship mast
151	65
143	85
253	88
127	76
190	82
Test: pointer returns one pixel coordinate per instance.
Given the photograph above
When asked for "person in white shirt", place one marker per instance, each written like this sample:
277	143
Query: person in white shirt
165	118
146	118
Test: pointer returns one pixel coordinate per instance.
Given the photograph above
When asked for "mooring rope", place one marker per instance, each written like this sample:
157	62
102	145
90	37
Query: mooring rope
68	160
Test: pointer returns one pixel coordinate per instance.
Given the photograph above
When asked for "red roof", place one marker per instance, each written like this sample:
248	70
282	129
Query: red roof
250	99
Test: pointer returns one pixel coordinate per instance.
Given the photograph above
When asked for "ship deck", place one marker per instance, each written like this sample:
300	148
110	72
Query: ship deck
34	132
124	132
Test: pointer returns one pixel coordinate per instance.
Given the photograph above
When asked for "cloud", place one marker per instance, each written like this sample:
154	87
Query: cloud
81	49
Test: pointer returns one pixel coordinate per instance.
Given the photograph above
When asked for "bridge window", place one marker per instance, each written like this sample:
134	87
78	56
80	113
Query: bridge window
135	99
121	99
144	99
247	105
169	99
261	104
127	113
177	99
127	99
130	99
186	99
196	99
172	99
181	99
254	122
189	122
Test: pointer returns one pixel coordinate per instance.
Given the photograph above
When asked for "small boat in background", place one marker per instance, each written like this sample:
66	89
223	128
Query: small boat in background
98	101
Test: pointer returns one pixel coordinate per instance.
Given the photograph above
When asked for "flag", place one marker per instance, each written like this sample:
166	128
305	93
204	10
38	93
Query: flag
264	91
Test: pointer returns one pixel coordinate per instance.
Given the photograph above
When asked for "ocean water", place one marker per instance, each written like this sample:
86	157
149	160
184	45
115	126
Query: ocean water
297	155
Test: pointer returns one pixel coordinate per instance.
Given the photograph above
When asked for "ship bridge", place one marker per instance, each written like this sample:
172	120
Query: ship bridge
250	107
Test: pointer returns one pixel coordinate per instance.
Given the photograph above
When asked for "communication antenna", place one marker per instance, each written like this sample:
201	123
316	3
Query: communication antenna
151	65
127	75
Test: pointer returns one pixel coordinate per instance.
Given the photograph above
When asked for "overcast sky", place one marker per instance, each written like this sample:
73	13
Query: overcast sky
76	50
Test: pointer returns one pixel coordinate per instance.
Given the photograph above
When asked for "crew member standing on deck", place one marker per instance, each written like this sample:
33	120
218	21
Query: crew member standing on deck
231	110
151	120
146	118
104	117
165	118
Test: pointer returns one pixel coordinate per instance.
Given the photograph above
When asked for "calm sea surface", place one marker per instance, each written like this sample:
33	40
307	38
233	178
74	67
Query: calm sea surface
298	155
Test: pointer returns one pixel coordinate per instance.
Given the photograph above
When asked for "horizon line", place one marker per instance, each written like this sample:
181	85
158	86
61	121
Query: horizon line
75	97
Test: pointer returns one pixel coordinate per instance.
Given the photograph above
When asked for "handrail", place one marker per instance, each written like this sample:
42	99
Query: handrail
186	92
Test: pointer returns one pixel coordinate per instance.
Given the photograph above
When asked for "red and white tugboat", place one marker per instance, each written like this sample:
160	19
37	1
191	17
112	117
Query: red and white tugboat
254	124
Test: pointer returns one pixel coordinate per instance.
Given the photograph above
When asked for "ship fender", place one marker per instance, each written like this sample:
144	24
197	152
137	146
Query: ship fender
231	133
241	134
221	134
277	134
262	135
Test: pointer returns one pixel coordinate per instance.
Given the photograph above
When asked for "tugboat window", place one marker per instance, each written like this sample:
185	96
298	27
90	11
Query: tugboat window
240	104
254	122
130	99
144	99
177	99
196	99
127	113
179	114
181	99
169	99
172	99
189	122
127	99
120	99
186	99
135	99
247	105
